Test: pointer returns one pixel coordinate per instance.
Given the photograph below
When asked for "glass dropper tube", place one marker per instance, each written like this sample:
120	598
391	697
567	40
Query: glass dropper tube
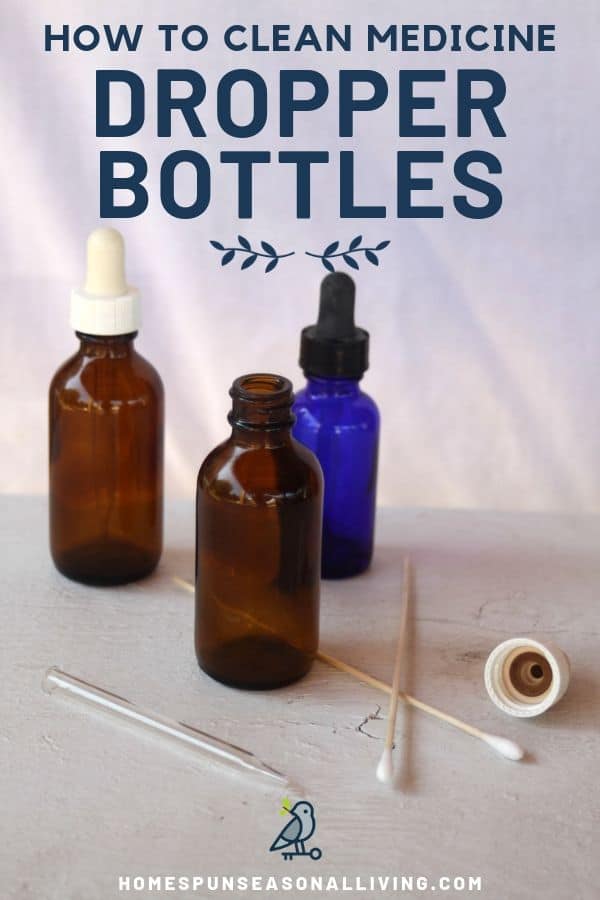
201	744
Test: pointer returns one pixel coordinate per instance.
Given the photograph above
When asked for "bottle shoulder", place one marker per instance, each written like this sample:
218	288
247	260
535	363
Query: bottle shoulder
367	403
260	474
145	371
65	372
357	408
107	378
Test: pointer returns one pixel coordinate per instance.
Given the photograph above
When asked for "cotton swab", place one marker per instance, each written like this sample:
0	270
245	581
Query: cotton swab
385	769
505	747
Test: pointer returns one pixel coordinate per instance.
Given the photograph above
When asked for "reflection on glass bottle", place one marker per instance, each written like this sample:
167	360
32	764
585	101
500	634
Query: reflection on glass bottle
258	544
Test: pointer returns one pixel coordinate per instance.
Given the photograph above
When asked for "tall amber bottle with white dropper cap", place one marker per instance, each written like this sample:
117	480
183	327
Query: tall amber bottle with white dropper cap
106	433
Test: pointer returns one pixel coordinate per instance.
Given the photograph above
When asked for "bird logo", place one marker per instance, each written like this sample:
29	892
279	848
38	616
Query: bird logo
291	840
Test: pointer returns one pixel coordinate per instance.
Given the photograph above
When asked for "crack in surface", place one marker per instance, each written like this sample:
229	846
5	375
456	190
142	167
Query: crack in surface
371	717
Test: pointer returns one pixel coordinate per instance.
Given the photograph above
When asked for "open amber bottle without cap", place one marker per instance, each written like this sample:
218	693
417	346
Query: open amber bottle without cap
258	544
106	434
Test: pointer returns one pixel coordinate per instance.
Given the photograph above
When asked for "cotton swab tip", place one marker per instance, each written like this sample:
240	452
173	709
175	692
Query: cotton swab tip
385	769
506	748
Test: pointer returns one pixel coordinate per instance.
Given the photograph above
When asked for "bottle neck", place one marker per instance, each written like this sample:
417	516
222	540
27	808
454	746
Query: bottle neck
261	410
332	387
117	346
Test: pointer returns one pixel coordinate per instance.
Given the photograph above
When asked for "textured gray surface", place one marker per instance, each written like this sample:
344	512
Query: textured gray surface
85	801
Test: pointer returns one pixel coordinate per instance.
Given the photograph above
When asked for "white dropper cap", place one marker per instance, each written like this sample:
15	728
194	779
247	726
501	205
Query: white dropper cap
524	677
106	304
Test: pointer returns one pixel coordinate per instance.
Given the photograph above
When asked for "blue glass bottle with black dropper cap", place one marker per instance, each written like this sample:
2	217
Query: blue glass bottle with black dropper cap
340	424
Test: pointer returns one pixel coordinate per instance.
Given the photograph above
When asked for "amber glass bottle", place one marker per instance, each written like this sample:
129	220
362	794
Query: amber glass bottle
258	544
106	440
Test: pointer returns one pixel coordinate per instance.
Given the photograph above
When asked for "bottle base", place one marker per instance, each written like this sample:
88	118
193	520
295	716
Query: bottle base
107	564
256	663
342	558
344	570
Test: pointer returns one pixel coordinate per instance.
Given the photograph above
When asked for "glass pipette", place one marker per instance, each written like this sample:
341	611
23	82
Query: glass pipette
203	745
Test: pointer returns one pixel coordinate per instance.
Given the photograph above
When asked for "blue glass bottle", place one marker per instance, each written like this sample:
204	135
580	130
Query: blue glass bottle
340	424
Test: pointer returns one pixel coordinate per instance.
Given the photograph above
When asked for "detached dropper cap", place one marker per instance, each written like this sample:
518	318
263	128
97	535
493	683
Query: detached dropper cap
335	347
106	304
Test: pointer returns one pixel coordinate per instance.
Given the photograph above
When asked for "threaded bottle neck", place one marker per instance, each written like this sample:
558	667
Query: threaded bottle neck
262	402
111	346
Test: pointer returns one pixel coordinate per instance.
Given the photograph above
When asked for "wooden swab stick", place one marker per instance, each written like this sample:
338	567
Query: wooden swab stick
186	585
503	746
385	769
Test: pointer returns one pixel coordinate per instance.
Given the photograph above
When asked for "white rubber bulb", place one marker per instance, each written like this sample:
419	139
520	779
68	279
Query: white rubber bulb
385	769
506	748
105	276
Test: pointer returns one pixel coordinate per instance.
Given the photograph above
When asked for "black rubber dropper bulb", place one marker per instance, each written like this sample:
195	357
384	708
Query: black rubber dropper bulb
335	347
336	307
